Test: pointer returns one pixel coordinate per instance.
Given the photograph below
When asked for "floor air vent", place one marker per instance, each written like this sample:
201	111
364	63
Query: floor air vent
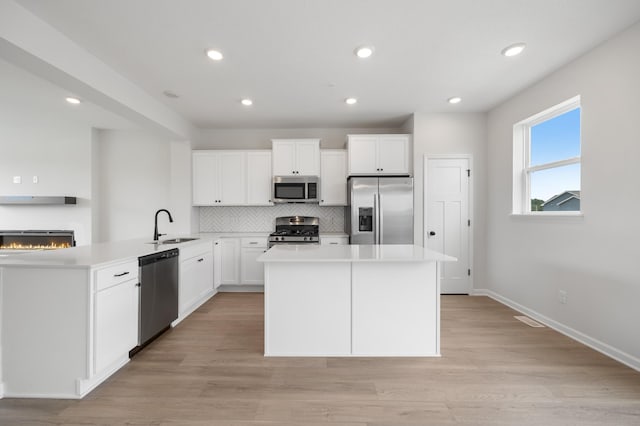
528	321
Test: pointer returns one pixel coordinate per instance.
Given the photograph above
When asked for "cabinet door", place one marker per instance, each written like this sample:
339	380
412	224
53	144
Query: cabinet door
217	263
284	157
333	178
232	178
116	323
393	154
308	157
252	271
259	178
334	240
196	279
230	261
362	155
205	181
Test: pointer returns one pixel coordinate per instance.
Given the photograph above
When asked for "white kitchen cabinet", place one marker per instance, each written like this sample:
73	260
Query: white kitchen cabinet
334	240
378	154
333	177
252	271
217	264
229	261
219	178
259	178
296	157
116	293
196	277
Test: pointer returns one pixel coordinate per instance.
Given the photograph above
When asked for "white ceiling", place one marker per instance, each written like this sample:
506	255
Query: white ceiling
295	58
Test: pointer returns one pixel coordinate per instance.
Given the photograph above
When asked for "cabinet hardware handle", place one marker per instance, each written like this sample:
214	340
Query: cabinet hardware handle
201	259
138	285
253	242
431	233
120	275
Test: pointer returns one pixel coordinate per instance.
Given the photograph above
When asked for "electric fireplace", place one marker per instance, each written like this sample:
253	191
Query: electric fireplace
36	240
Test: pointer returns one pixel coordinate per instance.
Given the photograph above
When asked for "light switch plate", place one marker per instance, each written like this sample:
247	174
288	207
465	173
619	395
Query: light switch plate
35	179
17	179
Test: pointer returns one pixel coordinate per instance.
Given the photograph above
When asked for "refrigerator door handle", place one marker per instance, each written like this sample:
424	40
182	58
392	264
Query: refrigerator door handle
375	218
381	220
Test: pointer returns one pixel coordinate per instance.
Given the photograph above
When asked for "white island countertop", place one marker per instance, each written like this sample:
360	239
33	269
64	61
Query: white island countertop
352	253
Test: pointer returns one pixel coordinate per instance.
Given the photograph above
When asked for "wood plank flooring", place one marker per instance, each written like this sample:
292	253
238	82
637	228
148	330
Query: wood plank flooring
494	370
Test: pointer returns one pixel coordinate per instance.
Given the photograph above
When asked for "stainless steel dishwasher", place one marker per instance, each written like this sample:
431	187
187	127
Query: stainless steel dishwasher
158	295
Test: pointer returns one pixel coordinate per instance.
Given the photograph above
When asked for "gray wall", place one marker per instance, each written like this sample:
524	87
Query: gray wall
261	138
594	258
454	133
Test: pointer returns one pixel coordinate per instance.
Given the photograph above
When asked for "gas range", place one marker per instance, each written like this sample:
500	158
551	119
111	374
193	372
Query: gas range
295	230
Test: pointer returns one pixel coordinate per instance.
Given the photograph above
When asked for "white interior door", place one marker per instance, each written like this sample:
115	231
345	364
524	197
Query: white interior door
447	214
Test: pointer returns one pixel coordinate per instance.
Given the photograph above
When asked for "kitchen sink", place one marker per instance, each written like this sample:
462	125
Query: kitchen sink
174	241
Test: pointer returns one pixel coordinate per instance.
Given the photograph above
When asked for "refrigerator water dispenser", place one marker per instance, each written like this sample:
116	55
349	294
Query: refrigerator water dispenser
365	216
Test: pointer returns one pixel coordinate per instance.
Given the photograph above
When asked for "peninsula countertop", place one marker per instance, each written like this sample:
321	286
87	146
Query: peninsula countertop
352	253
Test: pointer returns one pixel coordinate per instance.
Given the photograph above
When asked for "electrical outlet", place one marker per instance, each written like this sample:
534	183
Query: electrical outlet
562	296
17	179
35	179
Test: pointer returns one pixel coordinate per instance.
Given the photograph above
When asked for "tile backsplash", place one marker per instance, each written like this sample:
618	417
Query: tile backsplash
262	219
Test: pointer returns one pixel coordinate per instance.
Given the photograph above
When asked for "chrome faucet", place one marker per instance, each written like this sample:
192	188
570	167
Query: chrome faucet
156	236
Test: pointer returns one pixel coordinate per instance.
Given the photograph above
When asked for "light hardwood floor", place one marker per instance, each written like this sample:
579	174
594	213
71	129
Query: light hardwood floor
494	370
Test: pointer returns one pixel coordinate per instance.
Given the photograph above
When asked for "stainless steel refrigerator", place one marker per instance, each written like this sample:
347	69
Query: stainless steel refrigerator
380	210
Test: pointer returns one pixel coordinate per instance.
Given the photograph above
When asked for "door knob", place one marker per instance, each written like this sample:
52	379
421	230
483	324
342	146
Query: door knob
431	233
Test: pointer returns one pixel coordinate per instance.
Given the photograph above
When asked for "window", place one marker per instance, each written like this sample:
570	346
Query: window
546	161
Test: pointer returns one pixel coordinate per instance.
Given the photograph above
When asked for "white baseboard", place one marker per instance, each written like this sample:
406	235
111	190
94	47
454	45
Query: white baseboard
608	350
244	288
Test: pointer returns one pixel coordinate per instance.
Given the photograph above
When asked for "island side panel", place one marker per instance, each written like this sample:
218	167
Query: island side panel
307	308
44	331
395	309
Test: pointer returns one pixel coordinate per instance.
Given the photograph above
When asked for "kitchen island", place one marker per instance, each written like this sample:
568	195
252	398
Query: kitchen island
352	300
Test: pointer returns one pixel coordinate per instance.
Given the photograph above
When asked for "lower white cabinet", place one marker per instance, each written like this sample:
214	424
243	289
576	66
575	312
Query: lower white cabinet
334	239
252	271
235	261
230	261
115	314
196	277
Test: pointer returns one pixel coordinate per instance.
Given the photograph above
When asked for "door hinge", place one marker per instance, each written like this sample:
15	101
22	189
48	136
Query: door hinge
468	172
469	272
469	222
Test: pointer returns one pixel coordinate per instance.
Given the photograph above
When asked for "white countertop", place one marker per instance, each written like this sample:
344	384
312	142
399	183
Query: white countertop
352	253
94	255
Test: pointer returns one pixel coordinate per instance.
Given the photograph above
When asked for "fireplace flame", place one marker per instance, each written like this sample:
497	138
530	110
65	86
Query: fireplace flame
20	246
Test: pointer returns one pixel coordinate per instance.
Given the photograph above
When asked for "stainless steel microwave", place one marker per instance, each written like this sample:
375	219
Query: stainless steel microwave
296	189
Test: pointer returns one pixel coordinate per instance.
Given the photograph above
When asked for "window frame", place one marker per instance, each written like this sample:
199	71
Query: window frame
522	170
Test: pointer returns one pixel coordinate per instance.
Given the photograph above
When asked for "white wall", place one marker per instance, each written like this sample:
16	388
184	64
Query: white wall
593	259
139	174
261	138
35	141
453	133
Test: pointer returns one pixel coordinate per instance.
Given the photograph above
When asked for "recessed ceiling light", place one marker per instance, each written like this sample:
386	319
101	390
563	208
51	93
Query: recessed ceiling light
170	94
246	102
216	55
74	101
513	50
455	100
364	51
351	101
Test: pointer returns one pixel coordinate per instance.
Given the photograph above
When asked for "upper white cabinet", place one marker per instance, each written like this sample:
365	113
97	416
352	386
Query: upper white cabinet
378	154
333	177
219	178
232	178
259	178
296	157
